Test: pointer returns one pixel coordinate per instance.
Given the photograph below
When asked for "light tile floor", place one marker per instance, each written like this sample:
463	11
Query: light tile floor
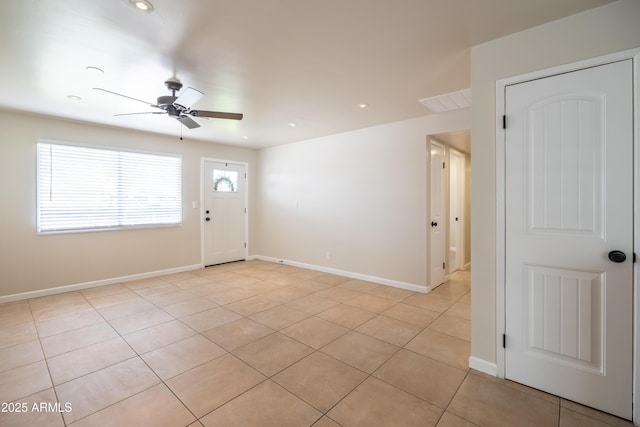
258	344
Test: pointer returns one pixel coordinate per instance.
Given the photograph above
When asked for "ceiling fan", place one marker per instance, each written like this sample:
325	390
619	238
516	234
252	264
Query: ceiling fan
178	107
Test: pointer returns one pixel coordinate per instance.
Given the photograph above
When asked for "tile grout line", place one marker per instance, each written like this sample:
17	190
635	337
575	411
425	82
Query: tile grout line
468	372
281	303
139	356
325	413
227	352
370	375
134	357
46	361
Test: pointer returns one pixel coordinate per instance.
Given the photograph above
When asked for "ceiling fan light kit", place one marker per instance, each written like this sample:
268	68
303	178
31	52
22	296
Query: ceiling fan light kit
178	107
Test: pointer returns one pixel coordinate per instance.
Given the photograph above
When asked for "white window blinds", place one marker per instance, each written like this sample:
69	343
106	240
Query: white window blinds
82	188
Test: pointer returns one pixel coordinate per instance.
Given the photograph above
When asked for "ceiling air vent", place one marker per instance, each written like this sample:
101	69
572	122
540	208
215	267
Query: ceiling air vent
448	101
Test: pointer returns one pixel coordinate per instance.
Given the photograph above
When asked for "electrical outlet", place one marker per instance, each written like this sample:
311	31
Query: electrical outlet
327	255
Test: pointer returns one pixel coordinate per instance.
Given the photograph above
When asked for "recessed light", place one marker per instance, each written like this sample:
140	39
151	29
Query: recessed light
292	125
363	105
142	5
74	97
245	137
94	70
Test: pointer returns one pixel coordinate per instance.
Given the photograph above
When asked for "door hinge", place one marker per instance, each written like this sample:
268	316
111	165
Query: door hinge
443	266
245	245
442	165
504	340
245	210
634	257
245	175
504	121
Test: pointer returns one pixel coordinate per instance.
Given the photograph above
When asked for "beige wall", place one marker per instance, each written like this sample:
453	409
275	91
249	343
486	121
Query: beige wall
31	262
608	29
361	195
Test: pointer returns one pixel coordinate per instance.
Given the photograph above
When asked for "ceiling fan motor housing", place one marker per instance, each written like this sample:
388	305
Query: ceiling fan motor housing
165	101
173	111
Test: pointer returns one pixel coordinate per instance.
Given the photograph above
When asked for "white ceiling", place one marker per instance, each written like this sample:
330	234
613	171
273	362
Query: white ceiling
460	140
277	61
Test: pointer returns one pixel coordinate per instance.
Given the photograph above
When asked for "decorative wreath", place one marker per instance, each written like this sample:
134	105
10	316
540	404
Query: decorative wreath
225	182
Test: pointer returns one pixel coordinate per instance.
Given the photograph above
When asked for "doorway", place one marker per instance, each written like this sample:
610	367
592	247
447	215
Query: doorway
449	205
567	251
224	211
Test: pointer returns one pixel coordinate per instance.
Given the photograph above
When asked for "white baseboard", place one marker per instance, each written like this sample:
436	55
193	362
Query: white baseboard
96	283
132	277
350	274
482	365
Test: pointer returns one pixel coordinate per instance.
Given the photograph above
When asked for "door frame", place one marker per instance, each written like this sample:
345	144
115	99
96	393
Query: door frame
501	85
201	205
461	204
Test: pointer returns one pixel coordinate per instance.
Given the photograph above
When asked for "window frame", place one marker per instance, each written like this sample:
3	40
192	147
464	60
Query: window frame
116	149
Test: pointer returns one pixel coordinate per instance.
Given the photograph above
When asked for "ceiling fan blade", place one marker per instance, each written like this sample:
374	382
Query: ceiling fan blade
187	98
188	122
146	112
216	114
124	96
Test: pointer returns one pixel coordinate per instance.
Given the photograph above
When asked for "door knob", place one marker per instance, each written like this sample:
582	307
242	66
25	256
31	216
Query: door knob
617	256
207	219
434	224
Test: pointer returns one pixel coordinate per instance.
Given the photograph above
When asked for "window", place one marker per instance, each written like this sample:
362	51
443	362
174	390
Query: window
82	188
225	181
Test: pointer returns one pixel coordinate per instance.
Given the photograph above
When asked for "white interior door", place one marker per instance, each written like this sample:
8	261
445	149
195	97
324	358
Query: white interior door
224	209
569	204
438	216
456	210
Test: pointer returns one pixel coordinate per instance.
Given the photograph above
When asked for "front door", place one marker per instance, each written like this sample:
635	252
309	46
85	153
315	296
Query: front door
224	209
438	216
569	227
